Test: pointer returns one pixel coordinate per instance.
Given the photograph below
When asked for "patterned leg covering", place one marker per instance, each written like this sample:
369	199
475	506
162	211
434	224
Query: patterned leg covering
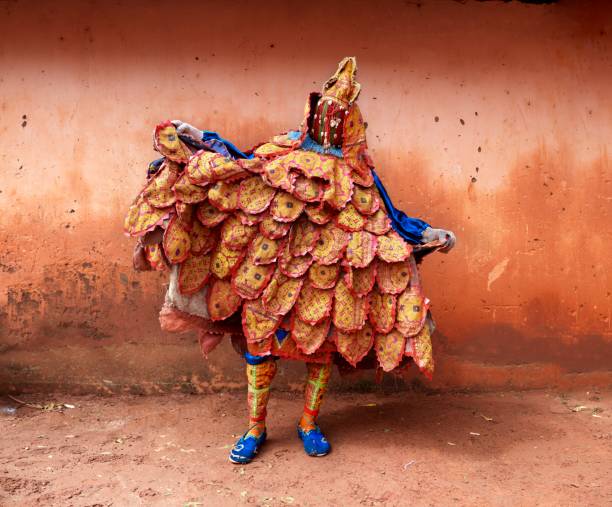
315	443
259	378
260	372
316	385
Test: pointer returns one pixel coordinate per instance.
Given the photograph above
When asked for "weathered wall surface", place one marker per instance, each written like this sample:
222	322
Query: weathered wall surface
492	119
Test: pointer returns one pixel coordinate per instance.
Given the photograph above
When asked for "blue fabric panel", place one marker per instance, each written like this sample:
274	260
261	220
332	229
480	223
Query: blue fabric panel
255	360
209	135
310	144
411	229
281	334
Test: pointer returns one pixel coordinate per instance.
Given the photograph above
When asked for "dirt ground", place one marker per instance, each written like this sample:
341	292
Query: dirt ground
514	449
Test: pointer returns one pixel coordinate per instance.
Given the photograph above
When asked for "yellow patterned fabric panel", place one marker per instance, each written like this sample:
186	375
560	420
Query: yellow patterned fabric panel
142	218
177	242
159	193
250	279
361	249
222	301
350	219
350	311
390	349
257	323
366	200
392	248
303	237
309	337
194	273
340	189
187	192
249	218
379	223
291	266
382	311
319	213
270	150
224	196
420	349
209	215
354	346
236	235
272	229
331	244
155	257
412	309
308	189
224	260
322	276
167	142
314	305
278	175
208	167
285	207
281	293
264	250
254	195
361	280
203	239
393	277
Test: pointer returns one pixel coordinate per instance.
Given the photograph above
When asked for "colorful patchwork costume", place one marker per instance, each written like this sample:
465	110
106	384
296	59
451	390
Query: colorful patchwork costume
294	249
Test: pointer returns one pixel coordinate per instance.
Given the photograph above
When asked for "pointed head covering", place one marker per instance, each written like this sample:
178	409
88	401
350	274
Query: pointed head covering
342	85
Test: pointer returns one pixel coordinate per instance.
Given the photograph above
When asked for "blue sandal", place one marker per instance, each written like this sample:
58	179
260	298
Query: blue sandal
315	443
246	448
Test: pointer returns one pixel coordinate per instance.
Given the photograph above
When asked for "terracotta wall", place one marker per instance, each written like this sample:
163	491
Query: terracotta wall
490	118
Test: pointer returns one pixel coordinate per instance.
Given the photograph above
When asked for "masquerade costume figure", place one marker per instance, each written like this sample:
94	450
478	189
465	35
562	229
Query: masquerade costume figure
294	249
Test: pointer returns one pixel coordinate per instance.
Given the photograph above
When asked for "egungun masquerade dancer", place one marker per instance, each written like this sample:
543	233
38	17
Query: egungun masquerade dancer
293	248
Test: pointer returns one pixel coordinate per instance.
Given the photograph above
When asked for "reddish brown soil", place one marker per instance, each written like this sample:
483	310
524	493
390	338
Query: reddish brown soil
407	449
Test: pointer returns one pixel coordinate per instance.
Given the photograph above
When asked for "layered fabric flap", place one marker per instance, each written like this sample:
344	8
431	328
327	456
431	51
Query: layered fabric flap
350	311
314	305
255	195
323	276
309	337
355	346
257	323
194	273
281	293
177	242
167	142
209	215
222	301
142	218
390	349
250	279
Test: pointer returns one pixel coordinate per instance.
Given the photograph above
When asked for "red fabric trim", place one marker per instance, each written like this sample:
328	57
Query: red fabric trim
313	413
259	418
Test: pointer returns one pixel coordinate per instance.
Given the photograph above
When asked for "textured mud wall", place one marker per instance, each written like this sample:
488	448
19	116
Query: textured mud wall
490	118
